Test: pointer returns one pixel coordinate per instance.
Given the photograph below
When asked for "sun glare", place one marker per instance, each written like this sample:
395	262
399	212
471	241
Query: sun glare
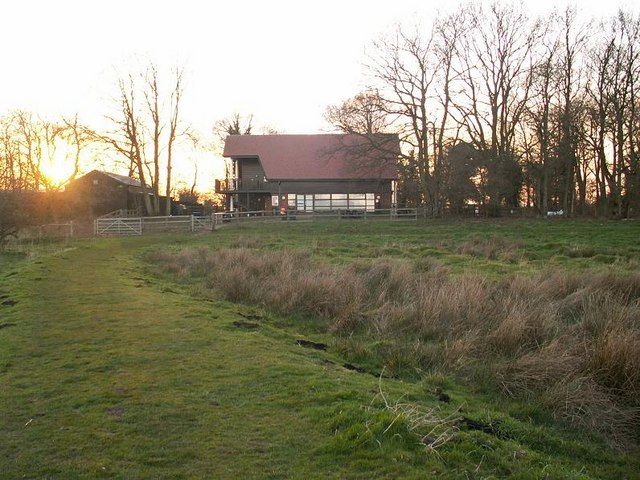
59	168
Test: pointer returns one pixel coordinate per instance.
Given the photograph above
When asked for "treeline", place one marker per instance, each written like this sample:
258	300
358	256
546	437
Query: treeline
31	145
499	109
144	126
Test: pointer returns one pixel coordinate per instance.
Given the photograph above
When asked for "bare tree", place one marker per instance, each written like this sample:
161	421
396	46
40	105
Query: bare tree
404	67
366	113
151	94
495	69
571	43
78	137
135	123
539	111
176	96
127	136
29	145
236	124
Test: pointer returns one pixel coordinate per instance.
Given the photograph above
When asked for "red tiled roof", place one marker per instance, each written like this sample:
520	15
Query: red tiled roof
319	157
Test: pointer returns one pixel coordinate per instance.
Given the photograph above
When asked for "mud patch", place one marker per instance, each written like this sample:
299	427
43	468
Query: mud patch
116	412
309	344
354	368
441	395
492	428
251	316
9	302
6	325
245	325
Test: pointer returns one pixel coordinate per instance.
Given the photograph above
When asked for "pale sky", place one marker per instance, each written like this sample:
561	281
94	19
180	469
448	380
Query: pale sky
283	61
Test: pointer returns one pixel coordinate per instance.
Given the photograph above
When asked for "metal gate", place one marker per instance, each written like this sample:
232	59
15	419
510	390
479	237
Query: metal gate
118	226
199	223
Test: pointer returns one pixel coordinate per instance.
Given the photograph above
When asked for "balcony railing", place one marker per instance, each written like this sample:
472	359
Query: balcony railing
241	185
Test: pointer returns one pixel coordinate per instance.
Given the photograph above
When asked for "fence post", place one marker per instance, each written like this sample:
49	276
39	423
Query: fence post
192	223
71	228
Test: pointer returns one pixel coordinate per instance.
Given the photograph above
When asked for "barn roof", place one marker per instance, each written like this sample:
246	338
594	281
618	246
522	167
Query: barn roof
121	178
319	157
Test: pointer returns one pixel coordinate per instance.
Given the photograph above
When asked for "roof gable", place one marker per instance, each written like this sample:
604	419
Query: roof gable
125	180
319	157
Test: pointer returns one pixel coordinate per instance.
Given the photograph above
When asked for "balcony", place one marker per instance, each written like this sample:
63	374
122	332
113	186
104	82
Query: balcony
235	185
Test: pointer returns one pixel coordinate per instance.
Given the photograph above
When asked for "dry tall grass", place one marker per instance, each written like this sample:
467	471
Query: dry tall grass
492	248
565	340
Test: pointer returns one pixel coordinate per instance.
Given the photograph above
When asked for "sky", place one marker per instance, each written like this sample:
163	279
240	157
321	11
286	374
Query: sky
282	61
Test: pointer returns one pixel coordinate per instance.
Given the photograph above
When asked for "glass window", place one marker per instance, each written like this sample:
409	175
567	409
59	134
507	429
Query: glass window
323	196
274	200
322	203
356	196
339	204
291	199
338	196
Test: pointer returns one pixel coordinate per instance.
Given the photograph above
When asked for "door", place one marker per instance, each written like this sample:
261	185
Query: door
283	204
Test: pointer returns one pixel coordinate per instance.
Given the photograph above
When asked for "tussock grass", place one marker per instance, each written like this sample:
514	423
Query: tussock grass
492	248
567	341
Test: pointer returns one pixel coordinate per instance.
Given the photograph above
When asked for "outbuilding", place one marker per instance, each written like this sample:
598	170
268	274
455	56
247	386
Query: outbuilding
101	192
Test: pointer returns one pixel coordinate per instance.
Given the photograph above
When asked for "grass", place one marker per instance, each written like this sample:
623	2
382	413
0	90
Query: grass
569	341
534	245
112	371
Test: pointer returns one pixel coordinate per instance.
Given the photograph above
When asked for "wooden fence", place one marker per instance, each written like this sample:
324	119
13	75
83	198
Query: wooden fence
49	231
125	226
226	218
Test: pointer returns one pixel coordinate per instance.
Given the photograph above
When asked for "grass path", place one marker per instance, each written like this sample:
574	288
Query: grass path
117	378
109	373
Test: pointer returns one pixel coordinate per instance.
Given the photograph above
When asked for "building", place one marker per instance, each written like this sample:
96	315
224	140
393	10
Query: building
99	193
310	172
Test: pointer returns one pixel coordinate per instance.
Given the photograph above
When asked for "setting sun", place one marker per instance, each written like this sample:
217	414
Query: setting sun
58	166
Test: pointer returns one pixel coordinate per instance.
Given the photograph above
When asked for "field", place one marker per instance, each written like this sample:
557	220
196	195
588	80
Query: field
304	351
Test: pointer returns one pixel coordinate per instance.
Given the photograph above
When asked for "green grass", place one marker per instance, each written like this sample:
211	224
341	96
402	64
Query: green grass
542	244
110	371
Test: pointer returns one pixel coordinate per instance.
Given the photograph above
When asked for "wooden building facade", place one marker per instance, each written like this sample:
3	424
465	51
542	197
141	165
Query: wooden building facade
102	192
310	172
